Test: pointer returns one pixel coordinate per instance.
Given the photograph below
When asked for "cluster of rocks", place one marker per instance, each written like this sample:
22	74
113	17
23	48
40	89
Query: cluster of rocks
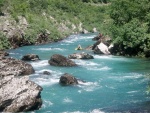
102	45
17	92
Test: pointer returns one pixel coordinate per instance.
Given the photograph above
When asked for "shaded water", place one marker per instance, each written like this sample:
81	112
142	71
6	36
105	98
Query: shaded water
112	83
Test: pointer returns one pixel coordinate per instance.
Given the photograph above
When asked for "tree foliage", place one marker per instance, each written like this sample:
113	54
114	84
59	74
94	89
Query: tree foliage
131	26
4	42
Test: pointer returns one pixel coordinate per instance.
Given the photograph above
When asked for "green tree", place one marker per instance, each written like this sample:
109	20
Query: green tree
130	29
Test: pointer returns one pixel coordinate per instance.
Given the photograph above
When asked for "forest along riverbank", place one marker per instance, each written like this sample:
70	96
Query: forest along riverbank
106	83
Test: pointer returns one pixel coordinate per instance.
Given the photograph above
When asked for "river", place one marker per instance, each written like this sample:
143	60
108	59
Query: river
111	83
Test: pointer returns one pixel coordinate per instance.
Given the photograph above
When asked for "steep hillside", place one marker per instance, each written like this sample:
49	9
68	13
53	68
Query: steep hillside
26	22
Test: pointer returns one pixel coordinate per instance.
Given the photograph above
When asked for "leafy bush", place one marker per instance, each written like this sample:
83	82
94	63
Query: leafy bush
130	28
4	43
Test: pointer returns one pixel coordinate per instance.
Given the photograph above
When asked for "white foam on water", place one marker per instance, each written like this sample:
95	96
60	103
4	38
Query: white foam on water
67	100
46	103
103	56
88	86
53	73
13	53
86	37
96	111
93	111
133	76
71	40
105	68
74	112
125	76
40	63
130	92
50	49
47	81
86	63
111	57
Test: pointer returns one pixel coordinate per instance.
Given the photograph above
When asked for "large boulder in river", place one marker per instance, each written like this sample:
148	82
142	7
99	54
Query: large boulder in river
59	60
80	56
30	57
17	92
68	79
101	49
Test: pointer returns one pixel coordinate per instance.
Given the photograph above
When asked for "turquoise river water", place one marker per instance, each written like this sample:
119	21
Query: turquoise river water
111	83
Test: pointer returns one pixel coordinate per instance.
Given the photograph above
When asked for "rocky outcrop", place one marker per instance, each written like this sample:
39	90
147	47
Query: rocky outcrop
84	31
94	30
101	49
10	66
95	44
96	38
42	38
30	57
17	39
59	60
80	56
17	92
68	79
14	31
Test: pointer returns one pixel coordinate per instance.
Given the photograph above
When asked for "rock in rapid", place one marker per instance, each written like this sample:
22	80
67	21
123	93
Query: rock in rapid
59	60
68	79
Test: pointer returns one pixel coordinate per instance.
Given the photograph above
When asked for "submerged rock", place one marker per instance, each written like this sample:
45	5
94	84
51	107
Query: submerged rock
68	79
17	92
59	60
30	57
46	73
80	56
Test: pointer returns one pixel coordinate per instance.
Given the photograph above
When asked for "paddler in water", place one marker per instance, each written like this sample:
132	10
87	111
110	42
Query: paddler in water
79	47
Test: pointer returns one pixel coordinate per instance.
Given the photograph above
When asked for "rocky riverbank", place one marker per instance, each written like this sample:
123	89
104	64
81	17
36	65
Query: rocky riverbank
17	92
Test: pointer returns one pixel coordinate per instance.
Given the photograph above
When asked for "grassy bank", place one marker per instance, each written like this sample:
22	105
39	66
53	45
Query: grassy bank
60	17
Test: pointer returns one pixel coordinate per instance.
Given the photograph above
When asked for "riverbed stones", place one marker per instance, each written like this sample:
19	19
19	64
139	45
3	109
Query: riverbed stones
17	92
60	60
68	79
